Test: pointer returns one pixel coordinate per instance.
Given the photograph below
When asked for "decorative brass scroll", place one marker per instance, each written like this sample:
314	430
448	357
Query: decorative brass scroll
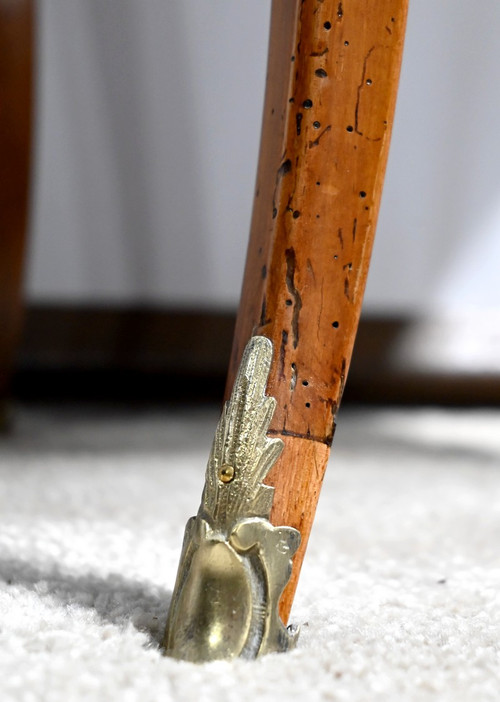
234	563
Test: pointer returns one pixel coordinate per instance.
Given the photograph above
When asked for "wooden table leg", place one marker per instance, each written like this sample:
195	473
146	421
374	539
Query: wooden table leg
333	72
16	47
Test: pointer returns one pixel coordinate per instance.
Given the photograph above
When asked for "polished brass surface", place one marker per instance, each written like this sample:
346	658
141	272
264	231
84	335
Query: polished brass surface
226	474
234	563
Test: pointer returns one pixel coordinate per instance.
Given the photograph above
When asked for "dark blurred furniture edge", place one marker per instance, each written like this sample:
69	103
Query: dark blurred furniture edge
151	355
16	102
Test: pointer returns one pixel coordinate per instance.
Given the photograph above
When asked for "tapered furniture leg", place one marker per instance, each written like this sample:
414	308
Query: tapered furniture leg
333	72
16	48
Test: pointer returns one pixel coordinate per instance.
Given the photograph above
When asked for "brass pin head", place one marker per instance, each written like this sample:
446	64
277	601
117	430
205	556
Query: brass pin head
226	473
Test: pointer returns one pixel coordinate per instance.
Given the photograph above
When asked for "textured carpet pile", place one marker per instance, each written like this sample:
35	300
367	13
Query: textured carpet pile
399	597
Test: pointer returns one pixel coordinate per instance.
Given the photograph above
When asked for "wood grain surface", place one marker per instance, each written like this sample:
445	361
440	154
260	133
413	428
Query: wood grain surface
333	71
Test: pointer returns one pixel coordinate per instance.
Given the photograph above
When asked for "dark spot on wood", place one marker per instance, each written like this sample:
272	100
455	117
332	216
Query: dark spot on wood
321	73
342	378
331	433
293	378
294	292
350	128
284	341
362	193
263	319
308	404
341	239
340	11
296	214
319	53
346	287
335	325
288	303
318	183
298	120
285	168
291	99
346	43
327	25
263	272
305	383
354	227
316	124
307	104
292	59
275	212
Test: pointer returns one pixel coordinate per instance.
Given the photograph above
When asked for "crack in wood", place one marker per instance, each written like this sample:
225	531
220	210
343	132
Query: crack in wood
284	341
319	53
314	143
285	168
308	436
360	87
291	263
263	319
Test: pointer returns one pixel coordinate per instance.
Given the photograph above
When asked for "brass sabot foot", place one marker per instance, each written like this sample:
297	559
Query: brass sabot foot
234	563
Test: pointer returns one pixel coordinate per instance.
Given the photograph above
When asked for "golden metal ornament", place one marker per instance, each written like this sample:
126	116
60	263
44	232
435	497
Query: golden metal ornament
234	563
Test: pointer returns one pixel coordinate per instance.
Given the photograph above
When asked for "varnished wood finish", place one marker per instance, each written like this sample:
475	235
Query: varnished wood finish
333	71
15	128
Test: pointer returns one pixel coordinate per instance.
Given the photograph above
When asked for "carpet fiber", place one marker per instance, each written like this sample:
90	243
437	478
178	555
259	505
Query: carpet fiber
399	597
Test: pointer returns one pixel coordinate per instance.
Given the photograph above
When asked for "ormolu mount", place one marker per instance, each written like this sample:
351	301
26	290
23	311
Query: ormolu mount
235	563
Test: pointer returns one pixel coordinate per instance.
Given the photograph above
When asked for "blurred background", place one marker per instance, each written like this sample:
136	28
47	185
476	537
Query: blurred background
145	132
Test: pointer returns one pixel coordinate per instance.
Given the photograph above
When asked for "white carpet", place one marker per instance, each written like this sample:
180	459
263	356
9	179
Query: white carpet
400	593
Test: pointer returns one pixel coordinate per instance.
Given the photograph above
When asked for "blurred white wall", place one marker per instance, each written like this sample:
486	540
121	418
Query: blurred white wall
149	121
